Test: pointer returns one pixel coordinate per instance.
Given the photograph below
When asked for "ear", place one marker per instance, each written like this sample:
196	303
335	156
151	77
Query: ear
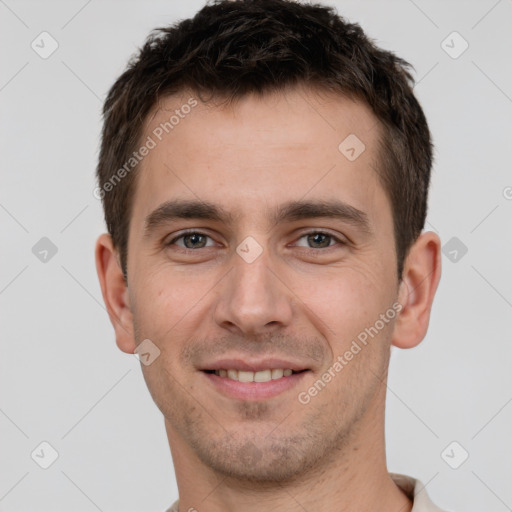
422	271
115	293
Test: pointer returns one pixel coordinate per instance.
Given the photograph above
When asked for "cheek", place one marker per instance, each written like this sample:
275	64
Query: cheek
343	304
164	304
348	293
163	295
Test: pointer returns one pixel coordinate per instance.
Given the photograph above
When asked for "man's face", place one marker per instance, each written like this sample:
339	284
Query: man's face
267	285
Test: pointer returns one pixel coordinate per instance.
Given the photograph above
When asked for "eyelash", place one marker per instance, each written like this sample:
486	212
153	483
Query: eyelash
314	232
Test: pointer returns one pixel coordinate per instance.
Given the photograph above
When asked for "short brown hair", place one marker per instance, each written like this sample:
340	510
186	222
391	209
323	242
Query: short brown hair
231	48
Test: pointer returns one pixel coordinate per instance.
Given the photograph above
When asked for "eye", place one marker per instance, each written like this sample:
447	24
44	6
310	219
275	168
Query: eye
319	240
191	240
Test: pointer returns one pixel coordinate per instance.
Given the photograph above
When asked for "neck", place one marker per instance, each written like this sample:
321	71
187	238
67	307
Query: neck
353	478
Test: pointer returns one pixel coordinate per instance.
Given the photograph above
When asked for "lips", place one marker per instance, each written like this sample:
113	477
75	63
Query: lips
254	380
259	376
254	366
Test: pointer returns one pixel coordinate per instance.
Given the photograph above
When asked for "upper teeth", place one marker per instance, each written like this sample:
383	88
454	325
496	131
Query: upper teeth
261	376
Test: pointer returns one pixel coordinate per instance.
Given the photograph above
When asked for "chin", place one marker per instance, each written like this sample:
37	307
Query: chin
264	461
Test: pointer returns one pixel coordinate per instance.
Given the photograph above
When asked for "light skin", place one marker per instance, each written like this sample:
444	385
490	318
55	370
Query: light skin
318	282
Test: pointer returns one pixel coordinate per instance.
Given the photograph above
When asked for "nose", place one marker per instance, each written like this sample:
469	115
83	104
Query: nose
253	298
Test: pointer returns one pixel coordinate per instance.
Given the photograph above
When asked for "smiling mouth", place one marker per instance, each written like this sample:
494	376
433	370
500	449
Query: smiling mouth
259	376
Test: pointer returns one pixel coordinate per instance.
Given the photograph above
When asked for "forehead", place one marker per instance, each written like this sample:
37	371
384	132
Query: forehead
260	151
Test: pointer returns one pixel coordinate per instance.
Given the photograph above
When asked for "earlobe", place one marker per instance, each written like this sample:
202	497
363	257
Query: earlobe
422	272
115	292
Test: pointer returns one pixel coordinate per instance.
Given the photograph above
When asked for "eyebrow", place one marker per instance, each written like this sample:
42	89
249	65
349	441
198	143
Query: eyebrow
287	212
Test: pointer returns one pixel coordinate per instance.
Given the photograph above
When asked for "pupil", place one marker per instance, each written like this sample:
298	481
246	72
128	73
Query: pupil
315	239
194	238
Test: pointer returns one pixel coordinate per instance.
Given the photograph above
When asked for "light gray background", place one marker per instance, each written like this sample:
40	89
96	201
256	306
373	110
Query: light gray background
62	378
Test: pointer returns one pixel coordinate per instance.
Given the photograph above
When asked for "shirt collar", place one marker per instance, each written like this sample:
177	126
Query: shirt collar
412	487
415	490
